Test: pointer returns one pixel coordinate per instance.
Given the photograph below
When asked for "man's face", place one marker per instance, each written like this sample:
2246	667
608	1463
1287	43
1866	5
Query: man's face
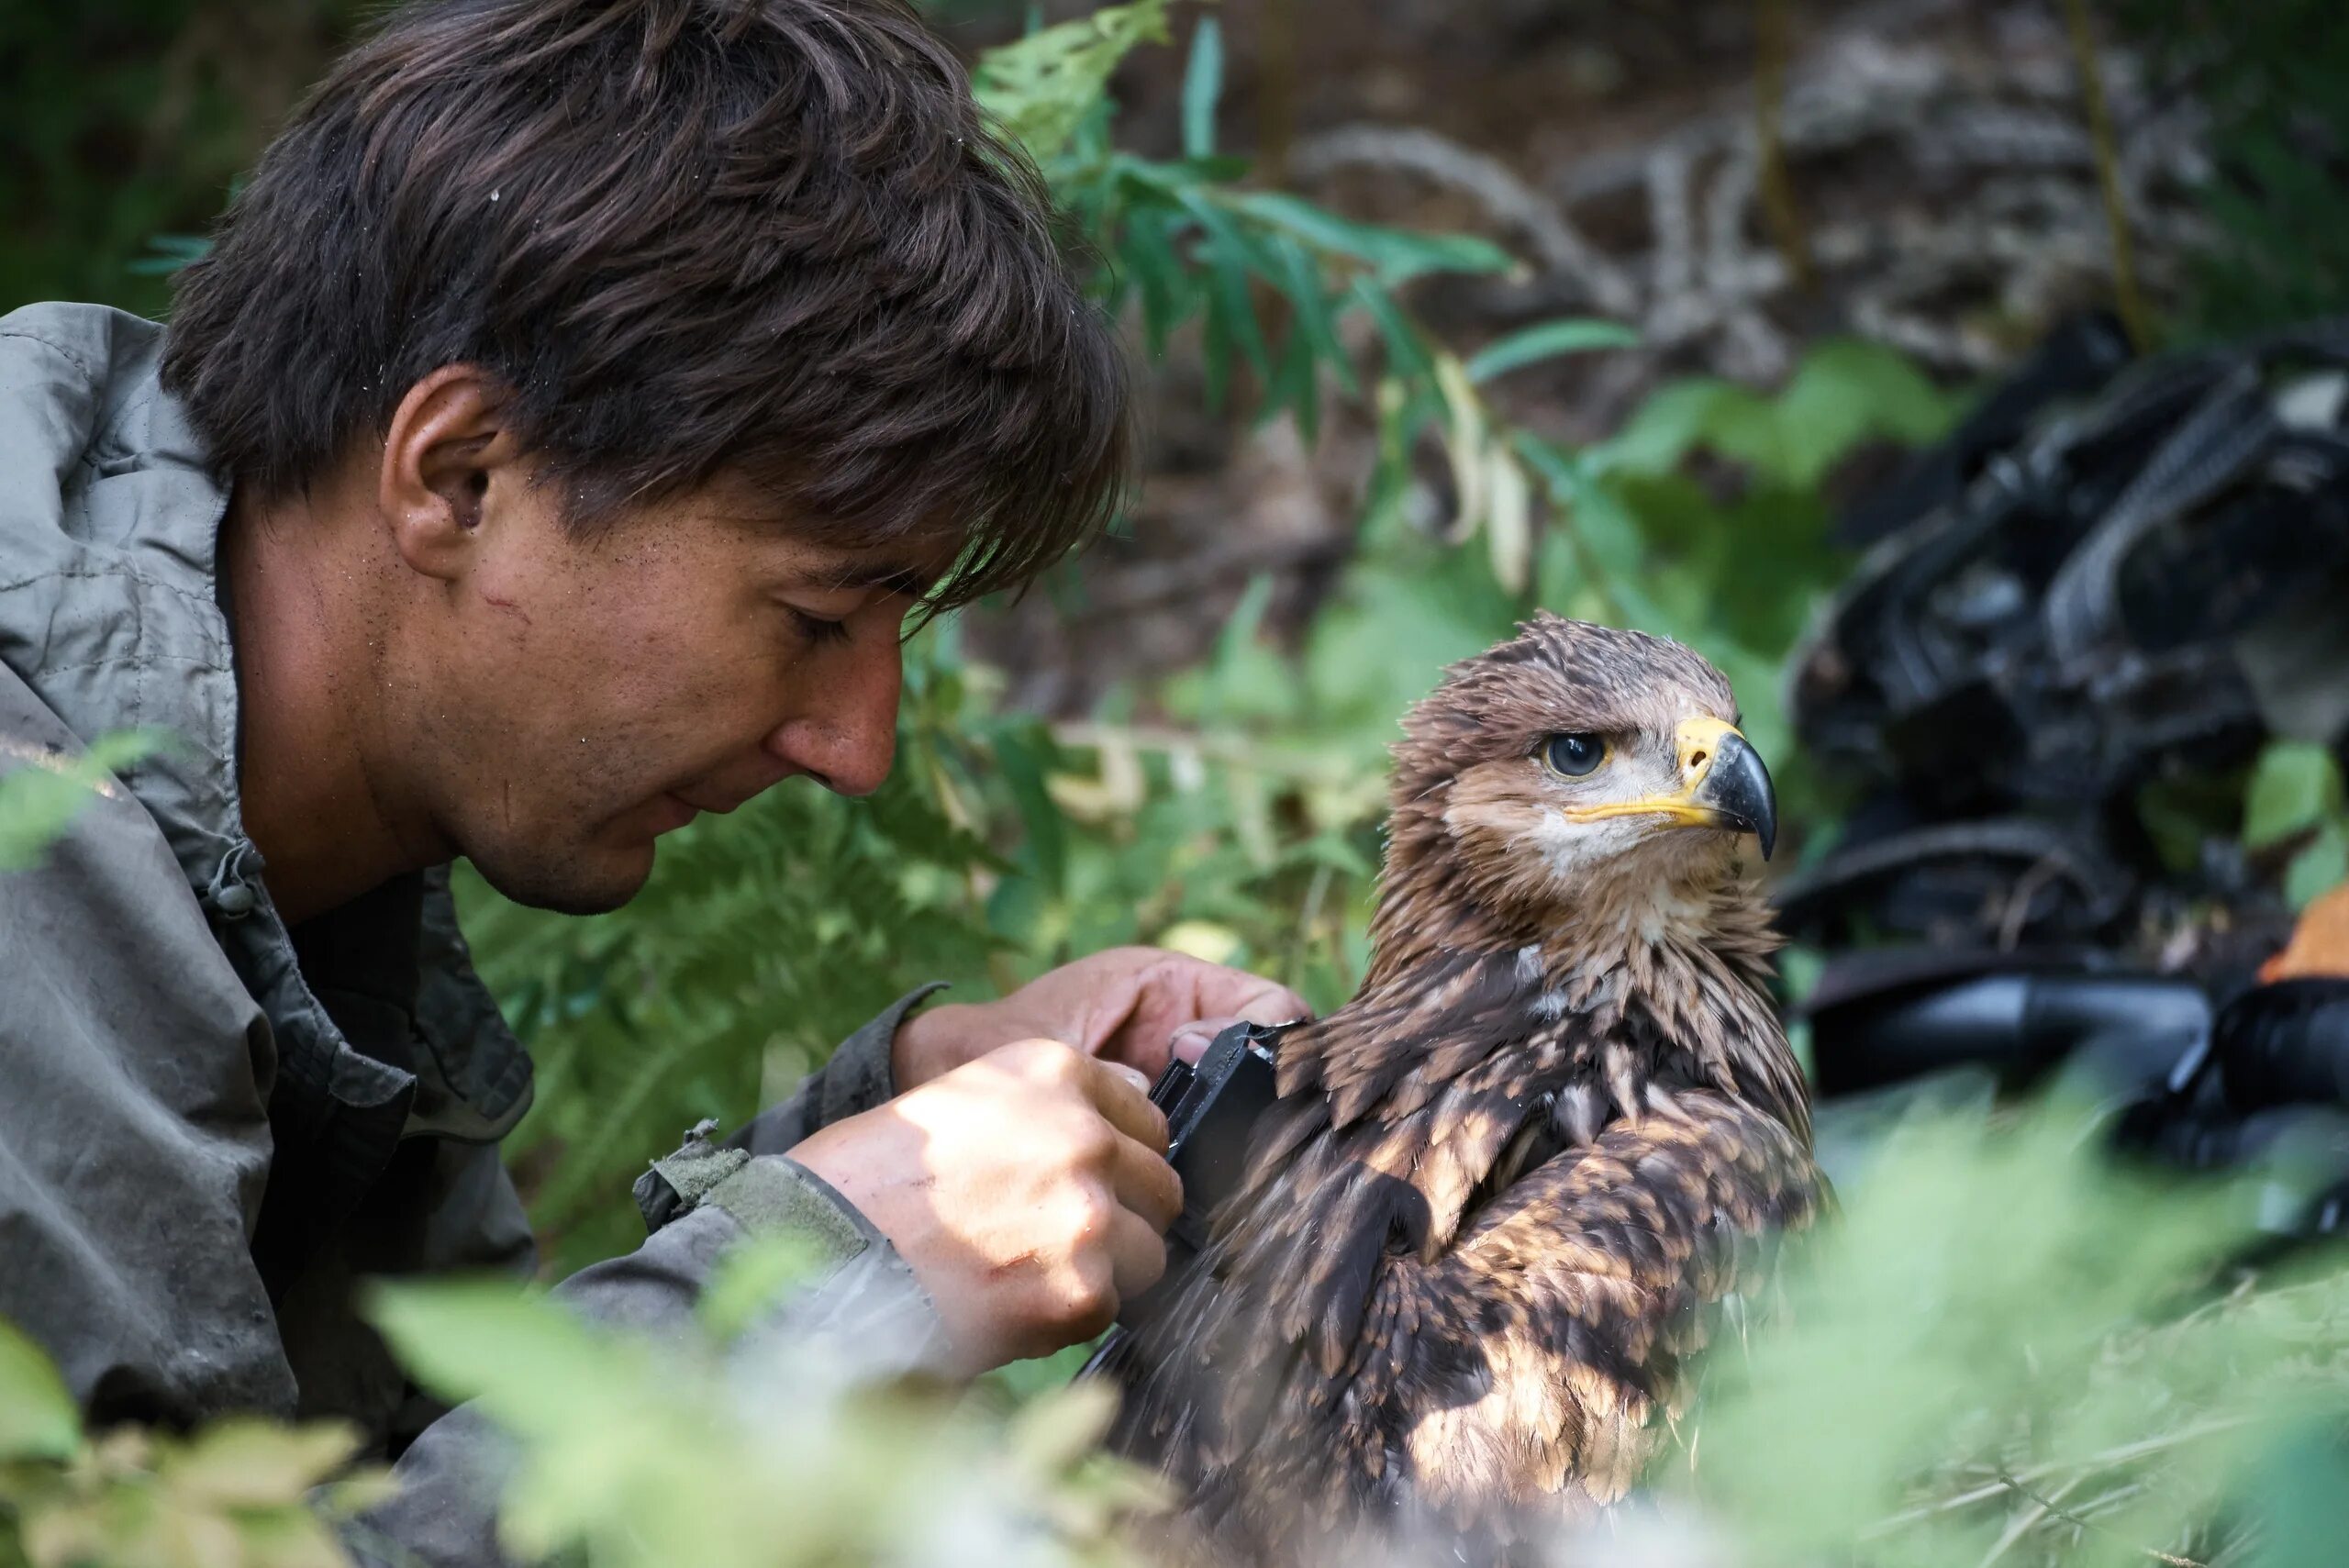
578	698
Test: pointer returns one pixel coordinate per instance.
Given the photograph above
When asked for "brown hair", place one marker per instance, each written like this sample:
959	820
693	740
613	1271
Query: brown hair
769	237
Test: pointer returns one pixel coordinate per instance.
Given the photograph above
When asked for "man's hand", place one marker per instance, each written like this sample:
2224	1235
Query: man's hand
1124	1006
1028	1190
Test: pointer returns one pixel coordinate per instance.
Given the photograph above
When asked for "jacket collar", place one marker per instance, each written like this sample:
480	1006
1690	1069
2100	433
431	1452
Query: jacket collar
109	612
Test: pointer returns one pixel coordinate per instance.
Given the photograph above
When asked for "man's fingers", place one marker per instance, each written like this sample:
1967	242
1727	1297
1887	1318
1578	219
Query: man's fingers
1122	1095
1271	1005
1145	1184
1137	1256
1191	1040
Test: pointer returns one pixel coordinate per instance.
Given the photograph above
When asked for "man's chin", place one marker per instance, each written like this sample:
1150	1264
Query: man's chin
595	882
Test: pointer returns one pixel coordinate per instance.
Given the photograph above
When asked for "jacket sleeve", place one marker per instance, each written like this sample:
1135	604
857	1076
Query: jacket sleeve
856	1078
134	1131
864	1304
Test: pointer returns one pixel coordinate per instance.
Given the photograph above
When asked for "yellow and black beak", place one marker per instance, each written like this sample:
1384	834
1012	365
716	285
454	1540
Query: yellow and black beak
1722	785
1723	776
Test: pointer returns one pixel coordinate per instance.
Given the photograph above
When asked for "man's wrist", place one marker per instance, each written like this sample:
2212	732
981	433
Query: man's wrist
926	1044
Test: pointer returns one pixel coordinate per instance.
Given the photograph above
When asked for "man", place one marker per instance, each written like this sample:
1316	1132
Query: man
579	400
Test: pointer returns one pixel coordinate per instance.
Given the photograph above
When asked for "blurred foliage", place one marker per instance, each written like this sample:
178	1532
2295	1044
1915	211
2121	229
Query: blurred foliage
2275	79
127	119
2293	805
241	1494
41	794
738	1448
2008	1350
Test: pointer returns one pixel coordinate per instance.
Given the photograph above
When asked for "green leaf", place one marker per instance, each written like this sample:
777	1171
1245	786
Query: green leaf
1301	282
1676	417
36	809
1232	303
2179	814
2321	867
247	1463
1394	255
39	798
1847	391
1985	1292
1296	385
171	252
1214	355
1167	295
2299	1483
1230	259
1023	770
38	1417
2294	785
1406	353
1331	850
1016	911
536	1368
1547	340
1040	88
1056	1430
750	1280
1232	645
119	749
1202	87
1026	1380
1843	393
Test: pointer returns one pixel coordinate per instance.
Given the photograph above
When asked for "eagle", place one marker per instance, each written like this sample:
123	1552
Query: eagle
1506	1188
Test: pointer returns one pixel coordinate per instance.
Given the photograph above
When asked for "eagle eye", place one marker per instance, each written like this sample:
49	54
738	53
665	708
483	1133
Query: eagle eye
1574	756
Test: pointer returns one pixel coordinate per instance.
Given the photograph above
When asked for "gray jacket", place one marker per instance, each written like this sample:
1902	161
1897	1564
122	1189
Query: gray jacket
211	1126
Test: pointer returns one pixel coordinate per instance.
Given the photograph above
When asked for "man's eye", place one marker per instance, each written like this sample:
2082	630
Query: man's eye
816	628
1574	756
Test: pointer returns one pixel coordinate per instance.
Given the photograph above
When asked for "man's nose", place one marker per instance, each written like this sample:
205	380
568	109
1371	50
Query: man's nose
846	735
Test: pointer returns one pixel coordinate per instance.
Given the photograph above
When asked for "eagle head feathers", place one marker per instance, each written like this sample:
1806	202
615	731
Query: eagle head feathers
1506	1183
1542	793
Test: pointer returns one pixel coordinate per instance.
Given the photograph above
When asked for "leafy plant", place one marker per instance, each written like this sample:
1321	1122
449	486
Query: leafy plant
2294	804
128	119
1043	87
2008	1350
41	795
742	1449
2275	80
241	1494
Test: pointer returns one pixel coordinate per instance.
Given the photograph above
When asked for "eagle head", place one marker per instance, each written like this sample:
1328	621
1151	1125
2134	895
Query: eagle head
1572	769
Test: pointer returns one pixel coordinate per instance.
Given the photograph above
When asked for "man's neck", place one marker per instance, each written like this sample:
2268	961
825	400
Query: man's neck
326	813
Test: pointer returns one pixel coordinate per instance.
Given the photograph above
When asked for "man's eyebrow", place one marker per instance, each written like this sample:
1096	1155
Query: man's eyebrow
894	577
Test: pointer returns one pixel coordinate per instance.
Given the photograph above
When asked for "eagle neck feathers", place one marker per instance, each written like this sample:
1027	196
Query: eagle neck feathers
1470	1029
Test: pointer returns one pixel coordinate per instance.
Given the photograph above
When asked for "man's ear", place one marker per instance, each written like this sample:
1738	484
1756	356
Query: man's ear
448	444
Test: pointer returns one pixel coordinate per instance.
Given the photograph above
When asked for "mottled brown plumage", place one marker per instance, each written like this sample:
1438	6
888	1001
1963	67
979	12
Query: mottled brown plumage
1481	1228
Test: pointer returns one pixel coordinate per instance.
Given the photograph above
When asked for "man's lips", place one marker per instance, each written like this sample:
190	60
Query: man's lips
676	806
716	805
688	806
